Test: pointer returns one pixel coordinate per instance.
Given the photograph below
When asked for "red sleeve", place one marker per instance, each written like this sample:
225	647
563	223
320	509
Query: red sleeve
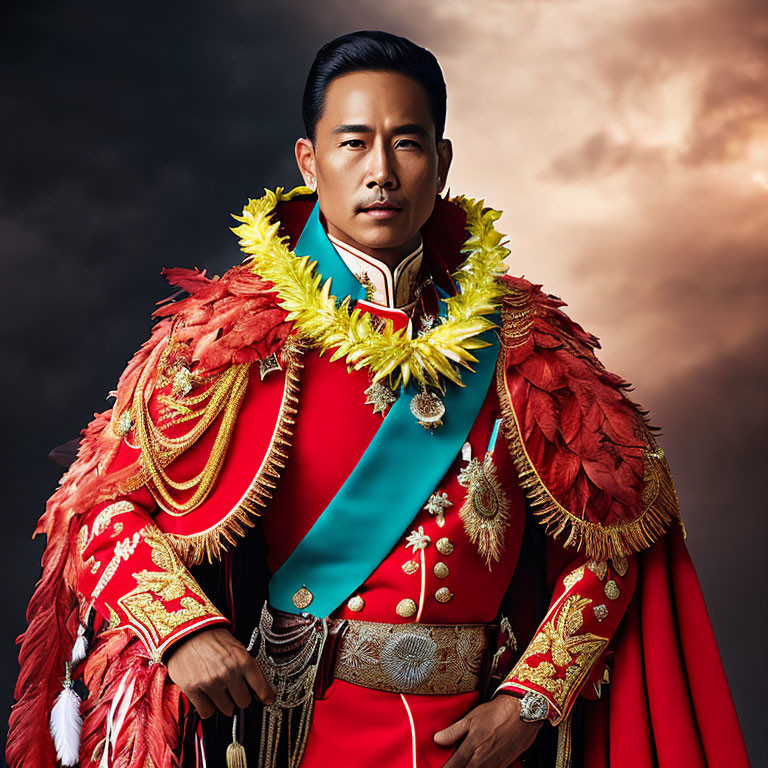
133	577
588	602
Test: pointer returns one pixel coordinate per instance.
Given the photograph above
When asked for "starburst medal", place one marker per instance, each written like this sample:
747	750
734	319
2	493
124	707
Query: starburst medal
485	511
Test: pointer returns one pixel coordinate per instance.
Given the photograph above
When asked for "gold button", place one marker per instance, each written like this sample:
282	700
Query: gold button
406	608
441	570
612	589
410	566
302	598
443	595
444	546
356	603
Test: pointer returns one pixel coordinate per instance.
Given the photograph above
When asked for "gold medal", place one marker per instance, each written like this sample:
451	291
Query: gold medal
428	409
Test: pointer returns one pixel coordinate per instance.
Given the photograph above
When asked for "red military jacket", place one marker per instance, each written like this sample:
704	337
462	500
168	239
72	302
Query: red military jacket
226	419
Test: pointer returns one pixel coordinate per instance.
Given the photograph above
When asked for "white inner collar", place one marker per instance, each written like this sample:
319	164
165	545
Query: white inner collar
383	285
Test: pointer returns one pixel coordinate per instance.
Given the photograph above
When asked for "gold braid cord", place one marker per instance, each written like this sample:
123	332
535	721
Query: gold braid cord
387	353
659	502
213	396
209	545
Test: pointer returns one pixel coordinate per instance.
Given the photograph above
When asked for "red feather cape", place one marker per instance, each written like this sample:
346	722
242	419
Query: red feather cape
225	321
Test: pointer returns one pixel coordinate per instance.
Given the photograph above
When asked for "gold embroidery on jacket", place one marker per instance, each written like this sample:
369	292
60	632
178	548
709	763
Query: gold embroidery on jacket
122	551
572	654
145	605
102	521
573	578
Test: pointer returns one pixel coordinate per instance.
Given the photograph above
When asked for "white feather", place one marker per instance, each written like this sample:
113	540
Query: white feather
117	713
66	723
80	648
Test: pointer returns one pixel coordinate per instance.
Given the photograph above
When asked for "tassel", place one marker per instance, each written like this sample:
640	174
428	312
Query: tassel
66	722
236	756
236	751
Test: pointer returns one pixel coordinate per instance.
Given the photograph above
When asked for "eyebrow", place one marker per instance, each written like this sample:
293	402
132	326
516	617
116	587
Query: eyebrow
413	128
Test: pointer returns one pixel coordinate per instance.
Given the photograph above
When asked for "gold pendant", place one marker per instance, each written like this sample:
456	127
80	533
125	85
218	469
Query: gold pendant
183	381
436	505
267	365
380	396
428	409
485	512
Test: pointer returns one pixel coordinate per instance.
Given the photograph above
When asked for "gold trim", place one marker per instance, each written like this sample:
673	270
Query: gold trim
212	543
600	542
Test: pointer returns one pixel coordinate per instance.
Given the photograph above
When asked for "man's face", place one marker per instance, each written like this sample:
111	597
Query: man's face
375	144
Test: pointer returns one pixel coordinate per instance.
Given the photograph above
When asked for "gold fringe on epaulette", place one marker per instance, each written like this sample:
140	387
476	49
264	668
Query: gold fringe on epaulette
211	544
600	542
519	315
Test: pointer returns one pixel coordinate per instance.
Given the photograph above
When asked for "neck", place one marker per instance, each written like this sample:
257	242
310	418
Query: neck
389	256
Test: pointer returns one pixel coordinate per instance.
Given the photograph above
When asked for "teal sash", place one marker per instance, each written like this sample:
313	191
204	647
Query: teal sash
399	470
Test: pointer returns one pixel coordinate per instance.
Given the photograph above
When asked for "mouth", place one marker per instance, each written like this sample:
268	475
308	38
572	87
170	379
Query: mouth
383	209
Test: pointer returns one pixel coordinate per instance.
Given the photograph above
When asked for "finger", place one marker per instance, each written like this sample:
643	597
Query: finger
204	706
221	698
239	691
255	678
462	757
452	733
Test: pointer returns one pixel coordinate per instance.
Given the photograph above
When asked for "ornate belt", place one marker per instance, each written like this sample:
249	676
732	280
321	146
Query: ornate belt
412	658
301	655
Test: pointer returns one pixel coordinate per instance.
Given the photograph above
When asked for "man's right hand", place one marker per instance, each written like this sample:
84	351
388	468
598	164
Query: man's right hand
214	669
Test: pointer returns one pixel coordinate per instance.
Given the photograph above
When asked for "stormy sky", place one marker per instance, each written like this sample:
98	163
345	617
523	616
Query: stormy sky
626	143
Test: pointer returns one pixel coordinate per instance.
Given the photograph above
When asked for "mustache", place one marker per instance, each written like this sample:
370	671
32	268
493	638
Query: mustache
379	200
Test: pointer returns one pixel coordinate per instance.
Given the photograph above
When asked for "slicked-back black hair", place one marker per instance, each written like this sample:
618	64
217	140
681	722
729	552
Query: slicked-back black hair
372	50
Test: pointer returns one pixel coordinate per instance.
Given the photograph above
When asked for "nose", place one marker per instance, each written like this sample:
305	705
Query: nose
380	169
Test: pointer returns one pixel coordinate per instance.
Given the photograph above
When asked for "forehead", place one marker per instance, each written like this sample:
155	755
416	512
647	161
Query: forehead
367	97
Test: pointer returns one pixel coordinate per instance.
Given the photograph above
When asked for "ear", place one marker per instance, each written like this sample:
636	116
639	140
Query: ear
305	159
444	157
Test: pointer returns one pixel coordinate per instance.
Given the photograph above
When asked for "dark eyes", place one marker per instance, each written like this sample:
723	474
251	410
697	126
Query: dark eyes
357	143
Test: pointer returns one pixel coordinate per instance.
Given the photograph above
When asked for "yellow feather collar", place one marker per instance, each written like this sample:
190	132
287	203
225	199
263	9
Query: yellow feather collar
395	354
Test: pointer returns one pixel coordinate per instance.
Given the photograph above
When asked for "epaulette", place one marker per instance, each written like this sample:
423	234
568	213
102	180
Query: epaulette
585	453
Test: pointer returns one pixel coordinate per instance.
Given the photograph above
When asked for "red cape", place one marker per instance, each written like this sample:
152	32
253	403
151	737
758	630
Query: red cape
668	703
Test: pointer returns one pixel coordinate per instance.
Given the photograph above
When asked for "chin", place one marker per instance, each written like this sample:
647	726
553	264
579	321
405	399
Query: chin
381	240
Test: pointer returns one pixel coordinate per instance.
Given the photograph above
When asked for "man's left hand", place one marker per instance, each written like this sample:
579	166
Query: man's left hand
493	735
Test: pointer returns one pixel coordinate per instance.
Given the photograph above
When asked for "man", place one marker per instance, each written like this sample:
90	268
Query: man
364	413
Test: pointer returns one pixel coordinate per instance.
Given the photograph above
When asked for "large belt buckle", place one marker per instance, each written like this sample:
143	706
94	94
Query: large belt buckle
409	657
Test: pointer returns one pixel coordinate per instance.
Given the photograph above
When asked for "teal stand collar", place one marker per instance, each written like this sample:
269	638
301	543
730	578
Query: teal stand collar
314	242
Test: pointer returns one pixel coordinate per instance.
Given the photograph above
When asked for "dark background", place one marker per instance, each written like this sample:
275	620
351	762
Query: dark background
129	134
